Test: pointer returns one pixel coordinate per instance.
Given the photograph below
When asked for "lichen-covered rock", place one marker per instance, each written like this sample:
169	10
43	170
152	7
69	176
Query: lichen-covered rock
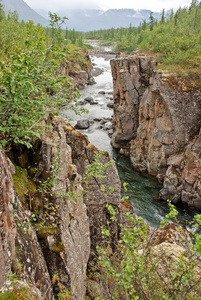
81	75
83	154
78	216
61	226
19	244
157	116
7	224
130	79
69	257
183	177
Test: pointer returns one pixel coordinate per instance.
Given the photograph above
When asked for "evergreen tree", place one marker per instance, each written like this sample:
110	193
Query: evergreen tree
151	21
162	21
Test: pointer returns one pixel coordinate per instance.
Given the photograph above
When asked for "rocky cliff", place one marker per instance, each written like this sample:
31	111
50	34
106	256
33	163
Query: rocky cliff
183	176
56	228
79	69
156	116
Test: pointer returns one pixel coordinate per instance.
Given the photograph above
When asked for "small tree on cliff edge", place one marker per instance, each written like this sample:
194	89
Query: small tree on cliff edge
31	85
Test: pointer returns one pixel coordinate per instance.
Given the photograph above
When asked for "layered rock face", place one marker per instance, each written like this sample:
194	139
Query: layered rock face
130	79
157	115
7	225
19	242
67	229
183	176
80	76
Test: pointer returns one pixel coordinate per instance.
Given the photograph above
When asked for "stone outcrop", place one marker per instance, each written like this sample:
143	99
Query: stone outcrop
19	242
59	228
155	115
130	79
7	225
183	176
80	75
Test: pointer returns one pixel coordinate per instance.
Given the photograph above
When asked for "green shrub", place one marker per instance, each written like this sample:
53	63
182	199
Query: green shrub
140	268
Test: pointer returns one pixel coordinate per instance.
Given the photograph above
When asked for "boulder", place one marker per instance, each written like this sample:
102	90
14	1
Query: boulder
110	105
107	126
82	124
102	92
89	99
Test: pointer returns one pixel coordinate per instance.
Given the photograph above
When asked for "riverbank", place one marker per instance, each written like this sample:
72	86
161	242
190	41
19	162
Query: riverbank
143	191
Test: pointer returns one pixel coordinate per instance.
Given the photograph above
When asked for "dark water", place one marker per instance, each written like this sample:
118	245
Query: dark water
142	190
143	193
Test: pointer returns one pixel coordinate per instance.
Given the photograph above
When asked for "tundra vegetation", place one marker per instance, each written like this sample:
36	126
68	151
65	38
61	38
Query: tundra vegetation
174	40
32	86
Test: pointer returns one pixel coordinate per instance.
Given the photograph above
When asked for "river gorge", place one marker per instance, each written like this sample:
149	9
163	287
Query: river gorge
55	226
143	190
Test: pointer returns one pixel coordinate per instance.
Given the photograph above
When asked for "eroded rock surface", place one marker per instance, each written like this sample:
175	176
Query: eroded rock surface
156	115
66	222
183	176
130	79
79	74
7	225
68	260
19	243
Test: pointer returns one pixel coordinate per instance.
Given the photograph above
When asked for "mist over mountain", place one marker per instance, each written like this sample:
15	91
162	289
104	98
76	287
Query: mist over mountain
82	19
94	19
25	12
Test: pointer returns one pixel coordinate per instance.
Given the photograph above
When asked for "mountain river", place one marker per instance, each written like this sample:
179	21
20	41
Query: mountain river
142	190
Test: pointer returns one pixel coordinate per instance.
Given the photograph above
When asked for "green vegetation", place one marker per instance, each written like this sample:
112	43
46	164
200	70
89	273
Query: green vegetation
18	289
142	267
24	186
175	40
63	294
32	83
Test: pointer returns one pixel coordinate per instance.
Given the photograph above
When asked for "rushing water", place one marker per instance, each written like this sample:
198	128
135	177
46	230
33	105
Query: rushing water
142	190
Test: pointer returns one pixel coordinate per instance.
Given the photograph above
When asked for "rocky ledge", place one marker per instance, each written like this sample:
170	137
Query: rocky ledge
157	117
55	231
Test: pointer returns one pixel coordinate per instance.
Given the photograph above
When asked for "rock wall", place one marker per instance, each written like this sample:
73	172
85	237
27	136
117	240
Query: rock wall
183	176
67	225
19	242
81	76
7	225
130	79
155	115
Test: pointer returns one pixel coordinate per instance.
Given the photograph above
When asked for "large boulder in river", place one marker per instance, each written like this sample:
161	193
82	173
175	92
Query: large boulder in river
82	124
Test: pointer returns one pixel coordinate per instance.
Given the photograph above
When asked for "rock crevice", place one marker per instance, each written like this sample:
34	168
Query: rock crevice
67	222
155	116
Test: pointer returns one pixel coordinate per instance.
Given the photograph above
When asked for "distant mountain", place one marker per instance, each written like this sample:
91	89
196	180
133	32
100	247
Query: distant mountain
24	11
93	19
43	13
83	19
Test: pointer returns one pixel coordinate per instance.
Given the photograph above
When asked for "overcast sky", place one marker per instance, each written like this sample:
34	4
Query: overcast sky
153	5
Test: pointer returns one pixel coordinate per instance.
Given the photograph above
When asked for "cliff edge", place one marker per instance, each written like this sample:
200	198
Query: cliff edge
156	117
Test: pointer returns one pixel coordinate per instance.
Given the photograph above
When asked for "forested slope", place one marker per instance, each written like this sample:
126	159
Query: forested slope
175	39
34	62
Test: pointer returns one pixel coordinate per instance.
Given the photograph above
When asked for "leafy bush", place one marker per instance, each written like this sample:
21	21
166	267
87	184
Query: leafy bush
142	268
32	83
